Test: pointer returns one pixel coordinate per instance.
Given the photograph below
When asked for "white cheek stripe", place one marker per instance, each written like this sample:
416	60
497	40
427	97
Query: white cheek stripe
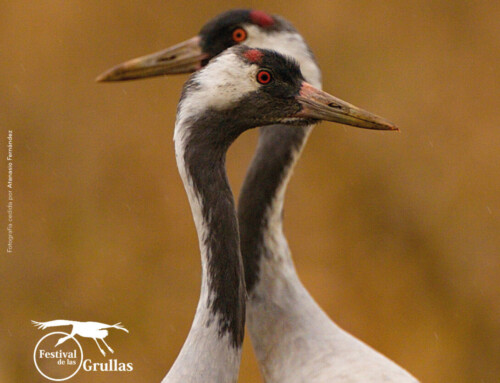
228	80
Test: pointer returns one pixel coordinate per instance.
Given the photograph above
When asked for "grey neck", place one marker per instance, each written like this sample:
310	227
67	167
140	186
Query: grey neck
262	193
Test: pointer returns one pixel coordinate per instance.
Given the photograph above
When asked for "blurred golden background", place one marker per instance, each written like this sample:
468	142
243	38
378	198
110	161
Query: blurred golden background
395	235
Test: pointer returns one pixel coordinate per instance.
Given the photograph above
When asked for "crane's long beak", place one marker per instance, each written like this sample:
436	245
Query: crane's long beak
185	57
320	105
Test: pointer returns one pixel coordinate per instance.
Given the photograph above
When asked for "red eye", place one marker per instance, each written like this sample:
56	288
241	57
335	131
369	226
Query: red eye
264	77
239	35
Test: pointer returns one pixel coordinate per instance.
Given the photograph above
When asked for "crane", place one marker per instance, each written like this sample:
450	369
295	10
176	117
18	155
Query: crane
94	330
260	87
293	338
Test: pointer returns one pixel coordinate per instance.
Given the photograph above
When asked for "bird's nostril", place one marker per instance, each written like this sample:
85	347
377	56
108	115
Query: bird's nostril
333	105
173	57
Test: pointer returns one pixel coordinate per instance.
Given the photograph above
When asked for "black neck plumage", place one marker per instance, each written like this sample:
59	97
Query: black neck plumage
204	159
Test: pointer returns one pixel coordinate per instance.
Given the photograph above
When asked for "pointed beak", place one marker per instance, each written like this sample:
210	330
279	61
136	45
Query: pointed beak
185	57
320	105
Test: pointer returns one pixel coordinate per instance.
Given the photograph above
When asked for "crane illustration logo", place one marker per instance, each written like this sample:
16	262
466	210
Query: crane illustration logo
62	359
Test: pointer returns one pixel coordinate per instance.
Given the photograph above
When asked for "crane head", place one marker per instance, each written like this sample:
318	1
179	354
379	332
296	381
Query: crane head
252	27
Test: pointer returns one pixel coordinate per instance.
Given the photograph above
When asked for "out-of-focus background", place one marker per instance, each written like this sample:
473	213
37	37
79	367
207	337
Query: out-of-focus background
395	235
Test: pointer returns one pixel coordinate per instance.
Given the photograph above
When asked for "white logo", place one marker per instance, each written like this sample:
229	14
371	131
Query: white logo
94	330
62	359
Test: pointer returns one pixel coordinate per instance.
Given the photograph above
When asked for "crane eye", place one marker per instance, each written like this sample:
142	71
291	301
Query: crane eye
264	77
239	35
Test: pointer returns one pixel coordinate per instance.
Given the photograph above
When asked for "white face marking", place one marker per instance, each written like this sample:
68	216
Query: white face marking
224	81
287	43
